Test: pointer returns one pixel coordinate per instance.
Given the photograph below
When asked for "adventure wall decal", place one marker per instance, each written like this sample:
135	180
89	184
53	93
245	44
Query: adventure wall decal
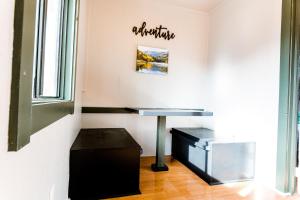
157	32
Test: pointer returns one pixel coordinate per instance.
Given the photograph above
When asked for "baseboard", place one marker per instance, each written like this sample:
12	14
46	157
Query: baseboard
281	193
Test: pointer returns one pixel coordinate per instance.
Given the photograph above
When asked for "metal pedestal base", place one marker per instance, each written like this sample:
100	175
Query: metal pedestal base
156	168
159	164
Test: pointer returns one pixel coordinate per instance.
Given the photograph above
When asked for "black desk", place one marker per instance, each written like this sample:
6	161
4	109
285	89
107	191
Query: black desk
161	114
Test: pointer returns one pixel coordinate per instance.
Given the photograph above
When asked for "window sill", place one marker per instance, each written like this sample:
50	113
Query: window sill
48	101
46	113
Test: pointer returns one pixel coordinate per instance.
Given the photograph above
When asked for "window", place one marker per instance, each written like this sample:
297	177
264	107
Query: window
50	68
48	45
43	72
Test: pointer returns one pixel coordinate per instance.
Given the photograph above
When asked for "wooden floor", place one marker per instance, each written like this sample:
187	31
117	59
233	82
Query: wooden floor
179	183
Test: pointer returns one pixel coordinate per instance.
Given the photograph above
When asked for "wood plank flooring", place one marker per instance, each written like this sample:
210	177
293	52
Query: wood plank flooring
179	183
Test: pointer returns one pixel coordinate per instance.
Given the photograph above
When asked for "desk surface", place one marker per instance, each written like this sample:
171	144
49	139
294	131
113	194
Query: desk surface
170	112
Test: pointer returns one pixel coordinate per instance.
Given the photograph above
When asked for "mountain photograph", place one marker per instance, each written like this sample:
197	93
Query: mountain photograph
152	60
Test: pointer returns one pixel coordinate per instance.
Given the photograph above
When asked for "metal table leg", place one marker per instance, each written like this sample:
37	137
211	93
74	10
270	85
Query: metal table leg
160	165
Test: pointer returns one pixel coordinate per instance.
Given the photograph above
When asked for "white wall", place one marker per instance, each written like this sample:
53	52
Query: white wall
244	56
32	172
110	77
236	75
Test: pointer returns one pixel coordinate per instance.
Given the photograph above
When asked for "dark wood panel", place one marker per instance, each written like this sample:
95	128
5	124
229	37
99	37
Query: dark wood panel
115	110
125	110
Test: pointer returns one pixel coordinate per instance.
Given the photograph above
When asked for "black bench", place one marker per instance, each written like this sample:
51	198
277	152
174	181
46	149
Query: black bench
104	163
214	160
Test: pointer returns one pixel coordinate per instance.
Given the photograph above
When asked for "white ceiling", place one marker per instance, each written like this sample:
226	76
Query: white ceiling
201	5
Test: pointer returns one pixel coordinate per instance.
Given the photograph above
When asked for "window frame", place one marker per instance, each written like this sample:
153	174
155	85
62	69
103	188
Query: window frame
288	97
28	116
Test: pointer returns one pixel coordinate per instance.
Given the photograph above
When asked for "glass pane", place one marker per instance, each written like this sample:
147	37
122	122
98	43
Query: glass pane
51	64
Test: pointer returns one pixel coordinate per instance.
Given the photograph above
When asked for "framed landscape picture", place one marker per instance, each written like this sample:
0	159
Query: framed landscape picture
152	60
